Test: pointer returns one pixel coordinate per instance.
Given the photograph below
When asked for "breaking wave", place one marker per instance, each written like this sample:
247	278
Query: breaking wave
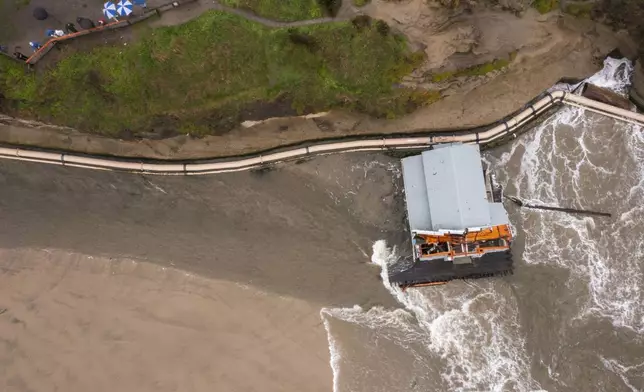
472	328
570	160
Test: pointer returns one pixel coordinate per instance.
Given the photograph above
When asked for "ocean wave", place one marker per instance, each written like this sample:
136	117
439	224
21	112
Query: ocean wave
580	159
472	329
335	354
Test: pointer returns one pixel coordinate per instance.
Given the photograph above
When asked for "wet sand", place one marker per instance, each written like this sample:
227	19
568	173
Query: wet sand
70	322
113	281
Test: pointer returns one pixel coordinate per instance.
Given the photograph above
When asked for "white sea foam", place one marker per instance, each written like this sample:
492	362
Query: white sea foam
472	328
615	75
334	350
624	371
567	160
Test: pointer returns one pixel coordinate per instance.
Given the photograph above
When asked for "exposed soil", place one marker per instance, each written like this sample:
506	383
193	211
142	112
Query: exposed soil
547	48
623	14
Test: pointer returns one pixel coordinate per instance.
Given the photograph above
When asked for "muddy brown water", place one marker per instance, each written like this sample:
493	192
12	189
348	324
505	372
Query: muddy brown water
302	230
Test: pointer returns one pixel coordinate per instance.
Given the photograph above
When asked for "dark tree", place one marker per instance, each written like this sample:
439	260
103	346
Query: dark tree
330	7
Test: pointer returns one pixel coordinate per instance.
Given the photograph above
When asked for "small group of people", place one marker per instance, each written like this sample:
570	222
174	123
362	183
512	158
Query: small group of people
16	53
70	28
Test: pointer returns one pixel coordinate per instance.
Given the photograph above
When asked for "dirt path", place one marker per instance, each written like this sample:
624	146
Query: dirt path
191	11
345	13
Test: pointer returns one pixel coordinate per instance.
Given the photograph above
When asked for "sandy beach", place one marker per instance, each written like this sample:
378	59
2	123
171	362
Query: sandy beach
113	281
70	322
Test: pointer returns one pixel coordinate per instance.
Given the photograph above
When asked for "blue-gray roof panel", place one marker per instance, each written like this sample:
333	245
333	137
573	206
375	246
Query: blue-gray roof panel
416	193
455	189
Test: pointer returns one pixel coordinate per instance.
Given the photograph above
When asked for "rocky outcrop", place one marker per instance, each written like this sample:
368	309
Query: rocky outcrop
637	89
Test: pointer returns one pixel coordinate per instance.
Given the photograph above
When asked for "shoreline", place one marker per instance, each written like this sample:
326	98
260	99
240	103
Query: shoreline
493	135
269	134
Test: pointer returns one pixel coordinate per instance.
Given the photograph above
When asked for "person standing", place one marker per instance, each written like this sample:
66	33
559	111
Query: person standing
70	28
20	56
35	45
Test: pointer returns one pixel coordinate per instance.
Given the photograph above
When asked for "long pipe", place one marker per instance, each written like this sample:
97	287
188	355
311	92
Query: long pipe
387	143
568	210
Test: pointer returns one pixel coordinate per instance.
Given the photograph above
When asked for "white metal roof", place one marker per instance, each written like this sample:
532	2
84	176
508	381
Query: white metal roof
445	189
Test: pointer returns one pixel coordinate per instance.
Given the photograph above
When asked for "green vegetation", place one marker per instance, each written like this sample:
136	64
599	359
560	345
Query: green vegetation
199	77
15	83
477	70
580	10
361	3
545	6
284	10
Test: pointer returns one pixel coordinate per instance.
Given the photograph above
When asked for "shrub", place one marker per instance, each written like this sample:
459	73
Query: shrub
361	21
383	28
331	7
